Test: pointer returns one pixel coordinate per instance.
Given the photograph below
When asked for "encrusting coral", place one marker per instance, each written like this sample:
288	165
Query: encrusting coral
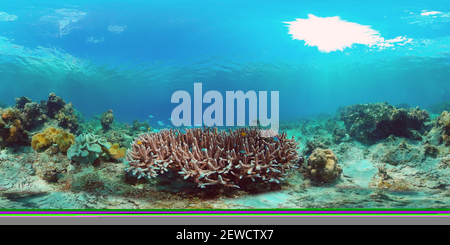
213	157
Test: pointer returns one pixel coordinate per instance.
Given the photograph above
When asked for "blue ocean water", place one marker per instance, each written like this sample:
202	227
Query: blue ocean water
131	56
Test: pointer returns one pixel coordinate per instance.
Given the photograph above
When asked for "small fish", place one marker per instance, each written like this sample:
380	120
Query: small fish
149	128
203	149
242	151
155	131
139	142
275	139
151	116
243	134
142	128
183	131
170	119
160	123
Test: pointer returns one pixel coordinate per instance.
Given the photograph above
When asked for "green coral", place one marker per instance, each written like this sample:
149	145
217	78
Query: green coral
87	148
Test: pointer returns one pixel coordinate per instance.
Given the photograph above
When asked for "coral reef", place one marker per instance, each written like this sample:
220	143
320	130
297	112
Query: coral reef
117	152
68	118
442	127
87	148
120	135
56	108
33	115
63	139
21	101
338	134
54	105
213	157
369	123
394	172
323	165
12	131
106	120
137	126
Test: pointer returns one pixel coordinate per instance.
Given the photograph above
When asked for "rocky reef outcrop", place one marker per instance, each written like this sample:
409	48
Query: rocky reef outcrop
369	123
107	119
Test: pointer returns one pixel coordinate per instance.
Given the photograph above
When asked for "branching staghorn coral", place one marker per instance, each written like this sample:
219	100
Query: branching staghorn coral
213	157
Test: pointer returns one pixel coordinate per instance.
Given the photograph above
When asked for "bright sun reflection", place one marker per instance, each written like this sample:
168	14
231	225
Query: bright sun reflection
331	33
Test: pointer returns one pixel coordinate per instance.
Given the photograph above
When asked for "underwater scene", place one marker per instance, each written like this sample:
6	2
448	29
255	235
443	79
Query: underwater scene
237	104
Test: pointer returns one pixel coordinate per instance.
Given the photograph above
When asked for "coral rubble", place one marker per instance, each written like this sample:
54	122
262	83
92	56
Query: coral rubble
213	157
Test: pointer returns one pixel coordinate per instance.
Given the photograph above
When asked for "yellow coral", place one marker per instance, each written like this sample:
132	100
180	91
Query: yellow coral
117	152
64	140
40	140
53	135
14	131
52	132
7	115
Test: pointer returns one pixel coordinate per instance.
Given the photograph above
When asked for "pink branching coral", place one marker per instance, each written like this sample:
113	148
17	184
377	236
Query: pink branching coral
213	157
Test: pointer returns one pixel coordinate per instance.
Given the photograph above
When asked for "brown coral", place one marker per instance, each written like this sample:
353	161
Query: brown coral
323	165
10	115
213	157
54	105
12	131
15	132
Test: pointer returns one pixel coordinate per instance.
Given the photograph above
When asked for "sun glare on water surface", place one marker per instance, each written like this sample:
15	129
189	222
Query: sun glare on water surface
331	33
